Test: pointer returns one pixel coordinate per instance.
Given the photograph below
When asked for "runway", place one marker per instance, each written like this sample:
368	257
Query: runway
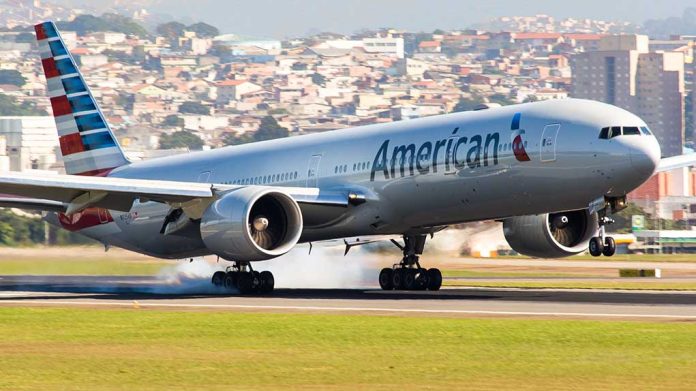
146	292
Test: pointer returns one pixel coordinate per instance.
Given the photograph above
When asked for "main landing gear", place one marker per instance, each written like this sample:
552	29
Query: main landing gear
243	278
408	274
603	244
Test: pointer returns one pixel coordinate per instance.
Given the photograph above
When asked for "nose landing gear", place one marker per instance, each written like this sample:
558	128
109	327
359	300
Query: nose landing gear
408	273
240	276
603	244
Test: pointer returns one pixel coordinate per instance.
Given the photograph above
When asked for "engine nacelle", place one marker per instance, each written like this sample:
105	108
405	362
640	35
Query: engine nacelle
252	224
551	235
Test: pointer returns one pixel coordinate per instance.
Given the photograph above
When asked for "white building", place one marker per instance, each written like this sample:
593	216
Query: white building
388	46
31	142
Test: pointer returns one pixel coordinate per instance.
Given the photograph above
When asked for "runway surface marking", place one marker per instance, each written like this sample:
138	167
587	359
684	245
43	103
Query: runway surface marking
348	309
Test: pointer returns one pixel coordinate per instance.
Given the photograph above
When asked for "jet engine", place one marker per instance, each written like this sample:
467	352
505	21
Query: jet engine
551	235
252	224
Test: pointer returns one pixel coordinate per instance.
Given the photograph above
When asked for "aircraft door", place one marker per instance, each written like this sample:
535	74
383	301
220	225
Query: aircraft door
313	171
548	142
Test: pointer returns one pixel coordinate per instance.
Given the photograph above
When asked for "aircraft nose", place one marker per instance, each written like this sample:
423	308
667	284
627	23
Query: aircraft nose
645	156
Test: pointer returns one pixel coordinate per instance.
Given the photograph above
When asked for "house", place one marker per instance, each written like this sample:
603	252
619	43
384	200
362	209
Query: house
228	90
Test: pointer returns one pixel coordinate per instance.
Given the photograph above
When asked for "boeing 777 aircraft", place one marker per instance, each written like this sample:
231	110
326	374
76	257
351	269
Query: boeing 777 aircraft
553	172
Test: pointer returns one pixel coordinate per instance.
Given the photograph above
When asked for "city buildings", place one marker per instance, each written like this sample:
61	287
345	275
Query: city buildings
624	72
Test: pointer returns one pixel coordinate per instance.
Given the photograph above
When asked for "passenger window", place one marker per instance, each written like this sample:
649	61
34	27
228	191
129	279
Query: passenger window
631	131
604	133
645	130
615	131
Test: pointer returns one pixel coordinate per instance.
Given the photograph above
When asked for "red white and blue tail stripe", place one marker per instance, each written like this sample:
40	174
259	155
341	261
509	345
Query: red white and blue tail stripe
87	144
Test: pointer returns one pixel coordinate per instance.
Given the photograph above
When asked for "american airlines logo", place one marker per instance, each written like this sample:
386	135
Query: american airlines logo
454	153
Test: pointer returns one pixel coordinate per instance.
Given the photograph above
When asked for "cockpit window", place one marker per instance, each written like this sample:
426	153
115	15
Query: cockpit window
631	131
604	133
645	131
615	131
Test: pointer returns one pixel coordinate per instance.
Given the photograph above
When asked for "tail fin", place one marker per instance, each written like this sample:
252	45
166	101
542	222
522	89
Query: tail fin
86	142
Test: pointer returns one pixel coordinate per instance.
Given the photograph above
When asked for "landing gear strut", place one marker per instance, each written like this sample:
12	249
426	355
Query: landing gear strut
603	244
408	273
240	276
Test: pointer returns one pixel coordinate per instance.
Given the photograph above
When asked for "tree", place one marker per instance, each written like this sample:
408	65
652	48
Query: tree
11	76
8	106
234	139
318	79
193	107
180	139
530	98
25	38
84	24
174	121
269	130
204	30
501	99
467	104
171	30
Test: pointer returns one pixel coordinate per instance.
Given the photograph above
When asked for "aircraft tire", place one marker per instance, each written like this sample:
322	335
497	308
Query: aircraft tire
218	278
609	246
409	282
595	246
267	282
386	279
398	279
422	279
434	279
245	283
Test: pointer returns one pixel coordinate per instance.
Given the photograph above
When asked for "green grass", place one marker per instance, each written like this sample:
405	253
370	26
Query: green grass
624	257
570	284
81	349
81	266
461	273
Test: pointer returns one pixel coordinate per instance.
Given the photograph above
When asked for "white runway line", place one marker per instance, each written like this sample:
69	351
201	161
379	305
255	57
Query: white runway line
348	309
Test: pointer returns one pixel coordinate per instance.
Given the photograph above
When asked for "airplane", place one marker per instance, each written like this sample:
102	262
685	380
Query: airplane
552	172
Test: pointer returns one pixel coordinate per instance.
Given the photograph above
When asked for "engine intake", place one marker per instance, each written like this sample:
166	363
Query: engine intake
551	235
252	224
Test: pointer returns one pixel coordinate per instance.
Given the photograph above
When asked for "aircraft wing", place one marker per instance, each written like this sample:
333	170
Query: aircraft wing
671	163
74	193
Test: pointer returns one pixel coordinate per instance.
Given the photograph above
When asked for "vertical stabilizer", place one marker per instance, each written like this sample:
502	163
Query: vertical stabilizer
86	142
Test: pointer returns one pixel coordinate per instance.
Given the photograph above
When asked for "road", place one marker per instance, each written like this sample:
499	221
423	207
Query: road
147	292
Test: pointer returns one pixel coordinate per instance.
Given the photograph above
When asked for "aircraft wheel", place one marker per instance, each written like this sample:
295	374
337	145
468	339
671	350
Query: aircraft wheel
231	280
609	246
398	279
386	279
245	283
218	278
267	282
409	279
596	246
422	279
434	279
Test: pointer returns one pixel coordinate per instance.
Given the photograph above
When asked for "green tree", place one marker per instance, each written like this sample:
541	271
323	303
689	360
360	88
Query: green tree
530	98
232	138
204	30
11	76
85	24
171	30
467	104
269	130
174	121
25	38
8	106
501	99
193	107
318	79
181	139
